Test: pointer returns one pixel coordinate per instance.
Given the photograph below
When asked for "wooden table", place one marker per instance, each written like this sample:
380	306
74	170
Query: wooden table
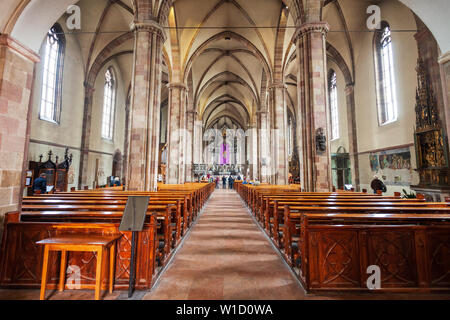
94	243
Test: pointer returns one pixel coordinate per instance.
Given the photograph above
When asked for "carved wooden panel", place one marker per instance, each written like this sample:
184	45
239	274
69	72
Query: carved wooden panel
439	258
394	252
338	258
21	259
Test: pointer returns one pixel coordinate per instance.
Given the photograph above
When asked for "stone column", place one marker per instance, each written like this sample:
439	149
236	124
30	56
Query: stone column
126	141
16	78
145	106
252	151
198	141
277	100
352	136
176	137
315	164
85	135
191	115
264	146
444	62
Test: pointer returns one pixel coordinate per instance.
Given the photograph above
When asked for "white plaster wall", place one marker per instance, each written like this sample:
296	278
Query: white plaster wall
68	131
100	148
372	136
342	110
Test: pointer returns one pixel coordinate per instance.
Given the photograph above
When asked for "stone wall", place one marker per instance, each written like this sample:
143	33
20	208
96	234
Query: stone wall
16	76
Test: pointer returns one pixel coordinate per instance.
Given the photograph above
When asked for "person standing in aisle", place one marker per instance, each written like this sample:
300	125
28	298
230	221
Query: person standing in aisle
230	182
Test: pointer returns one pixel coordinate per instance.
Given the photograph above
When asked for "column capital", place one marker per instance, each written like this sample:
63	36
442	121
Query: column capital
11	43
277	85
177	85
443	59
192	111
349	88
149	26
88	87
312	27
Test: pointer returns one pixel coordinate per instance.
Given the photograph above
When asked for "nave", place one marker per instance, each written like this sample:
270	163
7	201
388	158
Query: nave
225	255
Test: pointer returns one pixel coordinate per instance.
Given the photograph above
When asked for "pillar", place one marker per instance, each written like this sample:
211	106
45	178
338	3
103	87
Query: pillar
280	166
264	146
352	136
145	106
315	164
85	135
16	79
191	115
444	62
198	142
176	136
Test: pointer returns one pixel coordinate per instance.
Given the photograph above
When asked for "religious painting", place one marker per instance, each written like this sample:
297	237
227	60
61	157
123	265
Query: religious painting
395	161
374	164
393	165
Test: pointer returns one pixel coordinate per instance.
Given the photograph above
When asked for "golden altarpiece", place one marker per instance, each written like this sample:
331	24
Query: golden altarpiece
430	142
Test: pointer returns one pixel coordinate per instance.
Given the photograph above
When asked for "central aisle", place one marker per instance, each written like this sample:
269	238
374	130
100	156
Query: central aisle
226	256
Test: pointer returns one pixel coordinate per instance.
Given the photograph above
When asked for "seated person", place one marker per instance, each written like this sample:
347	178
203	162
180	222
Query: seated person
40	184
115	181
377	184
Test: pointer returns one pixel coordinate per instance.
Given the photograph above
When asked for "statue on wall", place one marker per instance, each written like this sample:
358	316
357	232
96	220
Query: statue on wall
321	141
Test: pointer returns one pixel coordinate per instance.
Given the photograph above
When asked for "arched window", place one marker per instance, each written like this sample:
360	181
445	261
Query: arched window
332	90
385	78
51	92
109	101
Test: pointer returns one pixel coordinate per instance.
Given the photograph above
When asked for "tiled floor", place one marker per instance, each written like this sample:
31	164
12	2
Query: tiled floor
225	256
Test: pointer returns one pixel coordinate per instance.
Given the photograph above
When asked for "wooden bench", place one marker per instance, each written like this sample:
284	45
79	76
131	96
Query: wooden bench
21	258
168	232
292	216
281	213
411	251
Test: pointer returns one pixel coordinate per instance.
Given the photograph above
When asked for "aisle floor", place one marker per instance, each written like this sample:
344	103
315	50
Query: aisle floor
226	256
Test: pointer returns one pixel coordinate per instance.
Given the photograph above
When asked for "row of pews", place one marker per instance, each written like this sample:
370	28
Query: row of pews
171	212
333	240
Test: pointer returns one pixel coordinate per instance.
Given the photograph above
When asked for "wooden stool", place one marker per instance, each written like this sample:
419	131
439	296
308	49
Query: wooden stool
94	243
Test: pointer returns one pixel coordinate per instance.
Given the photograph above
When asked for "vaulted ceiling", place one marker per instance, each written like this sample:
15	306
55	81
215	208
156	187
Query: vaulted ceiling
226	51
226	48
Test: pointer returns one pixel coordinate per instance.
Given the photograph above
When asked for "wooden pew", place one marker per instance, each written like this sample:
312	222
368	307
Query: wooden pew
21	258
99	208
282	212
293	214
183	214
411	251
274	216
